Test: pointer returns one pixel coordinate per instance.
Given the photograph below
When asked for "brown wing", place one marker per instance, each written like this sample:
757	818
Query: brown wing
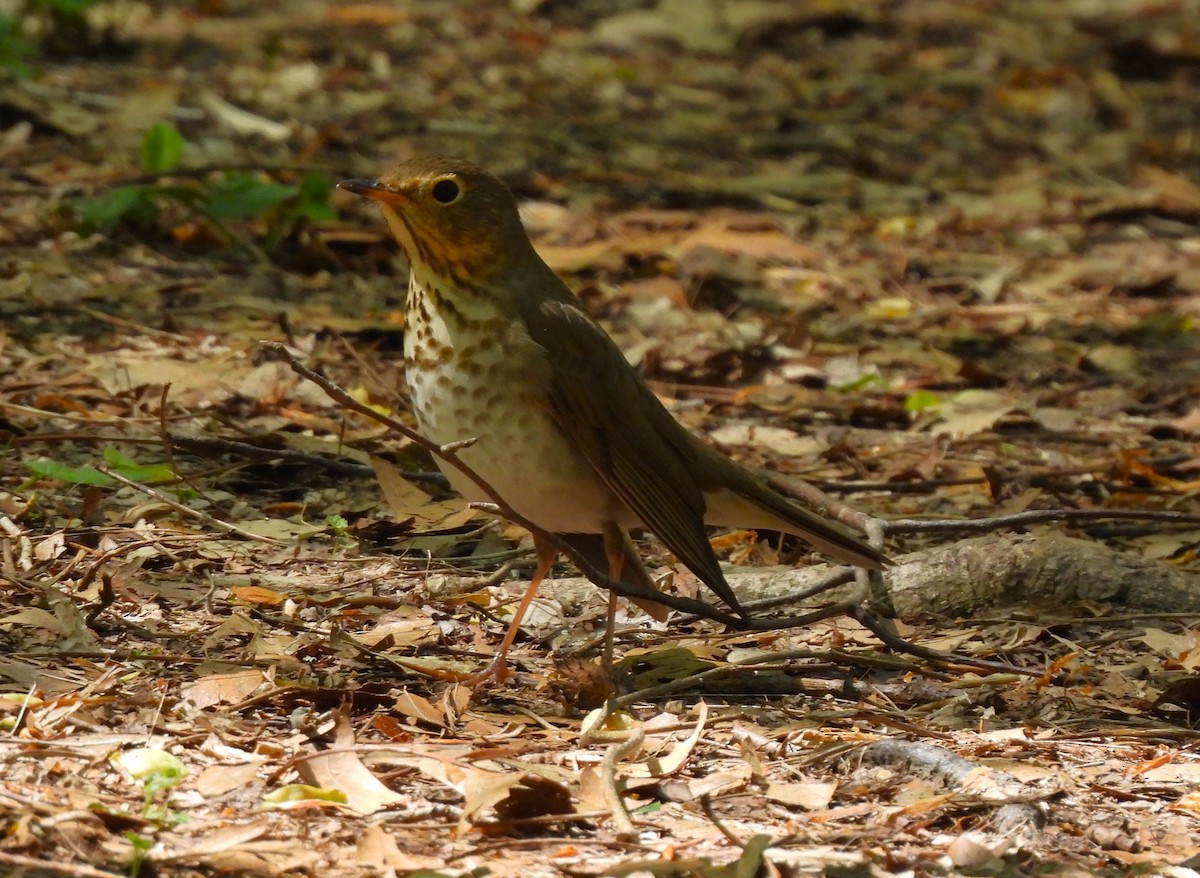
621	428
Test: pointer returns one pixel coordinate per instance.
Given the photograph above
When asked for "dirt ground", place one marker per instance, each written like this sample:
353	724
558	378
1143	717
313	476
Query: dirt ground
940	259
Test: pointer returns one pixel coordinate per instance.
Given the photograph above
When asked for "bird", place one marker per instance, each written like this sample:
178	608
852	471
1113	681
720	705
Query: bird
499	350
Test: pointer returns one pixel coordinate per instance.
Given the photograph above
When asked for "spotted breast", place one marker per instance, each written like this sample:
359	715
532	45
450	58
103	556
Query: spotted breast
474	375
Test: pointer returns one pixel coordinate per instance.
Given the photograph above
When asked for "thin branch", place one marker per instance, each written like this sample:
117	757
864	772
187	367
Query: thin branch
706	806
33	865
626	831
890	638
449	454
1035	516
840	576
165	439
185	510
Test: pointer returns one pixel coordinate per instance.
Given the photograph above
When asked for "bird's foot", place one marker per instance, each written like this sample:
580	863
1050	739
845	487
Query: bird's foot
497	670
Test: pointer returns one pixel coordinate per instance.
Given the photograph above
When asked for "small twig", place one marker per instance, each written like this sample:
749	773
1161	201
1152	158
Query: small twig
33	865
706	806
258	452
626	831
20	719
185	510
66	570
369	368
107	596
890	638
497	576
97	565
814	498
541	721
140	328
669	687
779	660
842	608
165	438
448	453
508	844
1035	516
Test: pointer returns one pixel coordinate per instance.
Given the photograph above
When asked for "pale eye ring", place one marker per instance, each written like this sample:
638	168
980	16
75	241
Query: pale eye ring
446	191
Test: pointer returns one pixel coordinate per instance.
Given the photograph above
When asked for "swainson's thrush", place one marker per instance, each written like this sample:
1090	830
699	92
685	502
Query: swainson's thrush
498	349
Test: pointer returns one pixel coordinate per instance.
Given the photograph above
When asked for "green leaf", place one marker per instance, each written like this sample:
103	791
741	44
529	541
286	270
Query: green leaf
162	148
105	212
132	470
858	383
139	842
241	196
14	48
118	460
71	7
146	763
150	473
300	792
72	475
316	212
314	198
191	195
921	400
86	475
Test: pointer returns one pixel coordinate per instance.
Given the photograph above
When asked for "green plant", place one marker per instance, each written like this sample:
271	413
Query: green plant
14	47
141	846
67	17
226	196
339	528
89	475
54	27
921	401
159	772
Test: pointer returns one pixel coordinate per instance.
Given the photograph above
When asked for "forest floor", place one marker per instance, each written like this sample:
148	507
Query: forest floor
940	259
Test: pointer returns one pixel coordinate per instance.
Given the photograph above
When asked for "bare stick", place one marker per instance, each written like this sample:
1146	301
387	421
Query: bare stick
626	831
185	510
449	453
1035	516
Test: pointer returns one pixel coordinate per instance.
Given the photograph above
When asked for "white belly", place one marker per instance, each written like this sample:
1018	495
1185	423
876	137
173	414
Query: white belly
519	451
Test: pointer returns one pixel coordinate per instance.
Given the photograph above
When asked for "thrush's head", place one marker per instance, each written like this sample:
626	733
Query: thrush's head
451	218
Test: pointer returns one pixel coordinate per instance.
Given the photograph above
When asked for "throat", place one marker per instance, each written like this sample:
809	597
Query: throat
444	327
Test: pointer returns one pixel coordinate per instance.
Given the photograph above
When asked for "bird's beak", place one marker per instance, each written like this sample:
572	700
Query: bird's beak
376	190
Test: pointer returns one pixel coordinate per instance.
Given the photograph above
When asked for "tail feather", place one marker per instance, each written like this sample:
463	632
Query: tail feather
768	510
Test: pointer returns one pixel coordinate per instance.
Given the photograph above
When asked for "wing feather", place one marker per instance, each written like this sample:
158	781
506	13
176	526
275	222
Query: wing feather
644	456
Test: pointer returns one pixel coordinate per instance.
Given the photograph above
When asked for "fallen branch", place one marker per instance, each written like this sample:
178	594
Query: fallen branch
449	453
183	509
959	578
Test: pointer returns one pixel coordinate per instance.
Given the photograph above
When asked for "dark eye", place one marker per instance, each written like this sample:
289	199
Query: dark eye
445	191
